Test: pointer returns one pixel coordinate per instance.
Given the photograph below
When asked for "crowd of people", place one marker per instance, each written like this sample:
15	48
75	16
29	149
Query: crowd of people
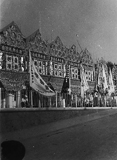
97	100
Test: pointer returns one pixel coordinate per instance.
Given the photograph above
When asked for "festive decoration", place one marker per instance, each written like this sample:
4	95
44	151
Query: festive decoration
37	83
84	83
111	84
12	36
105	85
66	88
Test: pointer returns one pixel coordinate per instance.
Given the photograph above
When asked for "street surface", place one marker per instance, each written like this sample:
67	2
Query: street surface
94	140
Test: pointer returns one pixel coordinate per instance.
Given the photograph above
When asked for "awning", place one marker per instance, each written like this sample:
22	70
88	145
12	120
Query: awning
75	89
13	81
57	86
10	85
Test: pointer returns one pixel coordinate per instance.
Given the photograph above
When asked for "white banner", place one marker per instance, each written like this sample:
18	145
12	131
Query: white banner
111	84
104	78
84	83
37	83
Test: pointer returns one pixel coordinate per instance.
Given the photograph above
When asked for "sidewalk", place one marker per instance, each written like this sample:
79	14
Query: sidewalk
50	128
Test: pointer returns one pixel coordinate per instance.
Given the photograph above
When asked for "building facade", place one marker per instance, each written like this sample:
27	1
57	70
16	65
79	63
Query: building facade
51	60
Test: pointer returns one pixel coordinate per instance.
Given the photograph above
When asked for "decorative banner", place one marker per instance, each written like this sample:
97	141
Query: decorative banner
105	85
84	83
66	88
37	83
111	84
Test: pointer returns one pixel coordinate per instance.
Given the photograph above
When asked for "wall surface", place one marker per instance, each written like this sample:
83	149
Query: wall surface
17	119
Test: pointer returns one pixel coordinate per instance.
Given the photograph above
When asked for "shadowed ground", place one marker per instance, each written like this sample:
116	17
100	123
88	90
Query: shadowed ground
92	140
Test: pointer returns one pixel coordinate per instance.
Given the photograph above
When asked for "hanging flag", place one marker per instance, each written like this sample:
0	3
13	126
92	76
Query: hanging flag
111	84
105	85
36	81
84	83
66	88
99	77
96	75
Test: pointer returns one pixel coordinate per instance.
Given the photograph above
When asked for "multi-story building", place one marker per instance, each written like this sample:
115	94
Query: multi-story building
51	60
14	65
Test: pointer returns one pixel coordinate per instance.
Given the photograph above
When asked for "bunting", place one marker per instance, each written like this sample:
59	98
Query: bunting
36	81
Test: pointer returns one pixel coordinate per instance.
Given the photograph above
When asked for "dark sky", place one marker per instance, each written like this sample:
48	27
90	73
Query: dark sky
94	21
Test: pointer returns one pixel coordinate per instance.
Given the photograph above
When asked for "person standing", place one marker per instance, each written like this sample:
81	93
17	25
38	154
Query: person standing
95	99
91	100
115	99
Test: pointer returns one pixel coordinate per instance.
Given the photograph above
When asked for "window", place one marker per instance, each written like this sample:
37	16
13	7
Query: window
15	63
55	66
58	70
35	62
40	66
22	64
8	62
55	73
76	76
40	70
74	73
60	74
60	67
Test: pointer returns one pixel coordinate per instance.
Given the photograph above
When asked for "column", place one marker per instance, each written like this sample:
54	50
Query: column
4	103
9	100
63	100
56	98
13	102
4	99
63	103
50	102
76	99
31	98
39	103
0	99
18	99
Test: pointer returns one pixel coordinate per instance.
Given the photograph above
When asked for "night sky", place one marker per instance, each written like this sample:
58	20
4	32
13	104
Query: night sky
94	22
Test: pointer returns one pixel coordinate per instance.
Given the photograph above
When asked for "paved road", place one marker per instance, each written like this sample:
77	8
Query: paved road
94	140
